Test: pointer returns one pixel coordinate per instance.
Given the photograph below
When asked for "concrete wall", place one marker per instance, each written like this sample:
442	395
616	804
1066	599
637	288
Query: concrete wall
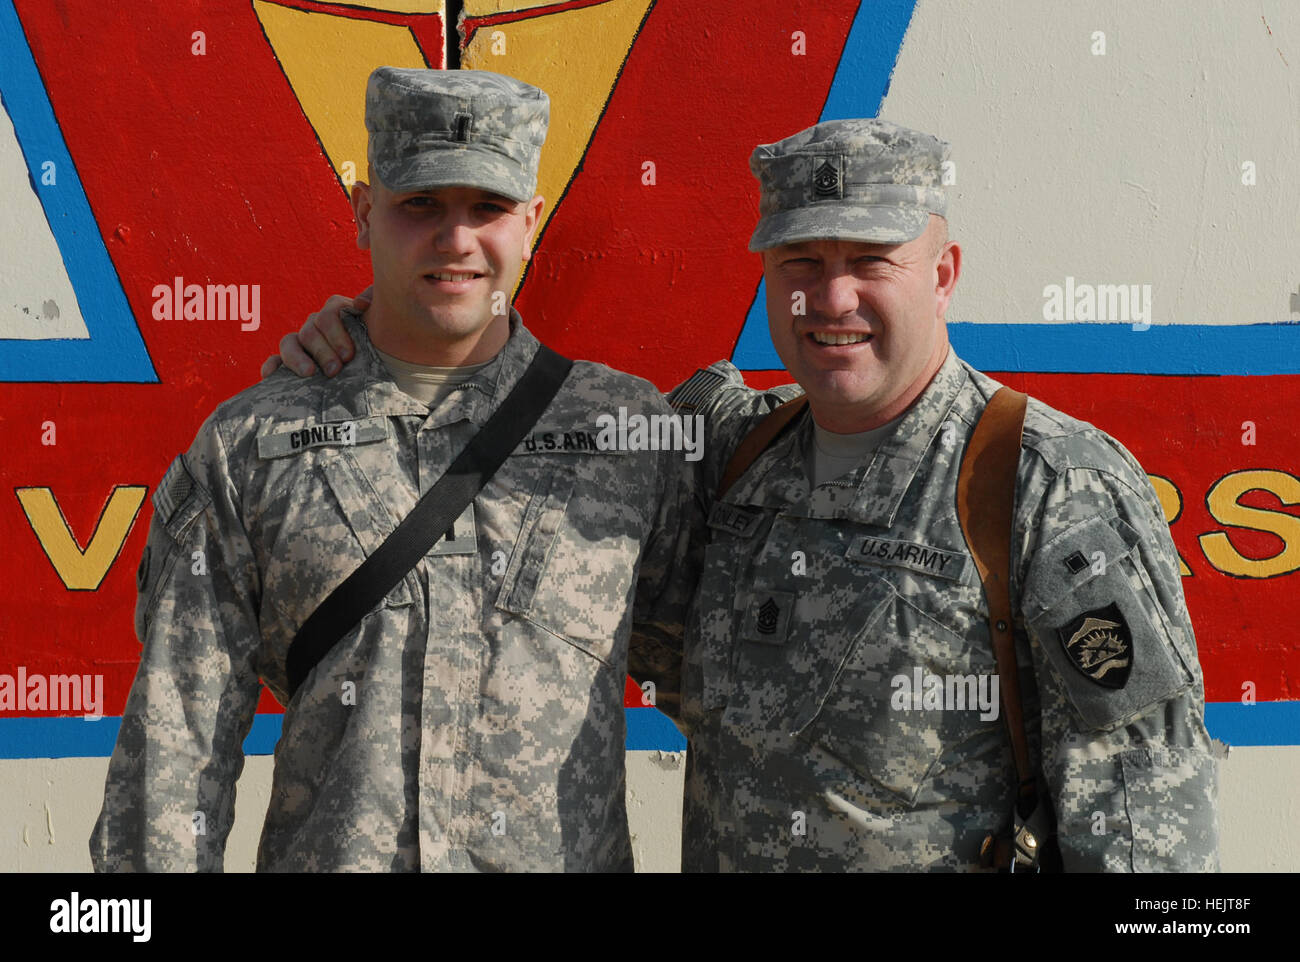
1094	144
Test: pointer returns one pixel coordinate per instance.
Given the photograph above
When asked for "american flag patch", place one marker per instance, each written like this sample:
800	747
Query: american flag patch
696	389
174	488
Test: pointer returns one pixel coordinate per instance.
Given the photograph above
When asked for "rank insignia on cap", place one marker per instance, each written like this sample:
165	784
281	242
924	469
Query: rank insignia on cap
1100	645
826	179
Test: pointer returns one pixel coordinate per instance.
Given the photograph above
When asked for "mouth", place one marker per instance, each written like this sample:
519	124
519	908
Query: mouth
839	338
452	276
453	283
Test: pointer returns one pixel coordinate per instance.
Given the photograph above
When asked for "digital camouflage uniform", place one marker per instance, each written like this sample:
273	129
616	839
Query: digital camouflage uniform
475	720
817	610
798	718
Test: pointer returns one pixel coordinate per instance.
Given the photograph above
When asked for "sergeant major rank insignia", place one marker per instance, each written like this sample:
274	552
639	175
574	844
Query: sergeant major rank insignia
826	179
768	617
1100	645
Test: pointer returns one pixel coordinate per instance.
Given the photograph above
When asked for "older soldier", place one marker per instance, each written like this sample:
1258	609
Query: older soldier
473	719
840	610
840	684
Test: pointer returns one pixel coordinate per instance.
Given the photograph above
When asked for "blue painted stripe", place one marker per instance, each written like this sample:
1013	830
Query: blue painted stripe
647	730
1097	348
79	738
114	351
861	82
1264	723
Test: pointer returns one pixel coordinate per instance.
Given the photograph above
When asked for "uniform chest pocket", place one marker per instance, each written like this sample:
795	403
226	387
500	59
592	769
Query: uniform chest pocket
735	535
900	698
332	521
570	571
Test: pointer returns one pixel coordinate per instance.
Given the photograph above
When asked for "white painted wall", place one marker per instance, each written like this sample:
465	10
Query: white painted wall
1122	168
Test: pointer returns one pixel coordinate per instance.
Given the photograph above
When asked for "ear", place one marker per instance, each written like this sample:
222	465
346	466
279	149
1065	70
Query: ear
532	219
362	203
947	270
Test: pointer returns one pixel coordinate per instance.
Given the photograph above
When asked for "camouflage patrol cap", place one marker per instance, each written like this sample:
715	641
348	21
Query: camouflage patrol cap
861	180
445	128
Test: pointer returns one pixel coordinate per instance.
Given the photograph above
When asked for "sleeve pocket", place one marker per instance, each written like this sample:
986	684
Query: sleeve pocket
1170	794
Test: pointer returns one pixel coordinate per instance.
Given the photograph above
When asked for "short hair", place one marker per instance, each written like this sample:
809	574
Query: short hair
940	235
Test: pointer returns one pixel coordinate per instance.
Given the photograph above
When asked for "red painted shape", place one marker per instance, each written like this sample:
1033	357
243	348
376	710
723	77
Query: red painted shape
198	166
622	264
205	167
632	694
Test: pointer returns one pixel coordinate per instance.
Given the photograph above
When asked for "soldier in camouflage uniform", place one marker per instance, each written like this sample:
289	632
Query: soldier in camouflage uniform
830	611
838	646
474	720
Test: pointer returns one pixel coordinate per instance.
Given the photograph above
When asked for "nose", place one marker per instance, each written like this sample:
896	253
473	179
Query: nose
836	295
453	232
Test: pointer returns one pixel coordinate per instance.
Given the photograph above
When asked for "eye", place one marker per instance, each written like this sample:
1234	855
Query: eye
419	200
493	207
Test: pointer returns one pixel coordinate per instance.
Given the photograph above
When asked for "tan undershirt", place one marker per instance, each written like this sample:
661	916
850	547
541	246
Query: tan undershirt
427	384
835	455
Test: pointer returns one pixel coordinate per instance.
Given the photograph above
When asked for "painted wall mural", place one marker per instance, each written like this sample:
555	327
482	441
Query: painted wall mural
177	202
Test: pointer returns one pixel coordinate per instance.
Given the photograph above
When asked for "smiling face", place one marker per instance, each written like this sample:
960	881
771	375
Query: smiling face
861	326
446	262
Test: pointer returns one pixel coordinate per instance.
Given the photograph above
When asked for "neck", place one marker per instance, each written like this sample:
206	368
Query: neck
419	343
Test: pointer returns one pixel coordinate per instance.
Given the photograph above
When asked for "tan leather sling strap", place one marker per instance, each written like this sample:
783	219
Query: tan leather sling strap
986	486
757	440
986	489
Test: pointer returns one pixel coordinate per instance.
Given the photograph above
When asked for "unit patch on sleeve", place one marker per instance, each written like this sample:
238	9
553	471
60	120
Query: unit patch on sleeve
1100	645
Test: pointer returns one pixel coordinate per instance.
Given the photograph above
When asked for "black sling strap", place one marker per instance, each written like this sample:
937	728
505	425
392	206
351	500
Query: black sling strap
432	515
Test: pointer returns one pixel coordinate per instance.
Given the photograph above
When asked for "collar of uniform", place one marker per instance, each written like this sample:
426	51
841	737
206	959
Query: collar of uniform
365	387
869	494
878	488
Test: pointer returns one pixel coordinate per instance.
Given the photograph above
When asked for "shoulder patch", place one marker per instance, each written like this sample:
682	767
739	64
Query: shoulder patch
1100	644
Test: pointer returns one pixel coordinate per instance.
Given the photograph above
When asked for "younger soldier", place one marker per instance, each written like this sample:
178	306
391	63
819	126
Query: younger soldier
473	720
